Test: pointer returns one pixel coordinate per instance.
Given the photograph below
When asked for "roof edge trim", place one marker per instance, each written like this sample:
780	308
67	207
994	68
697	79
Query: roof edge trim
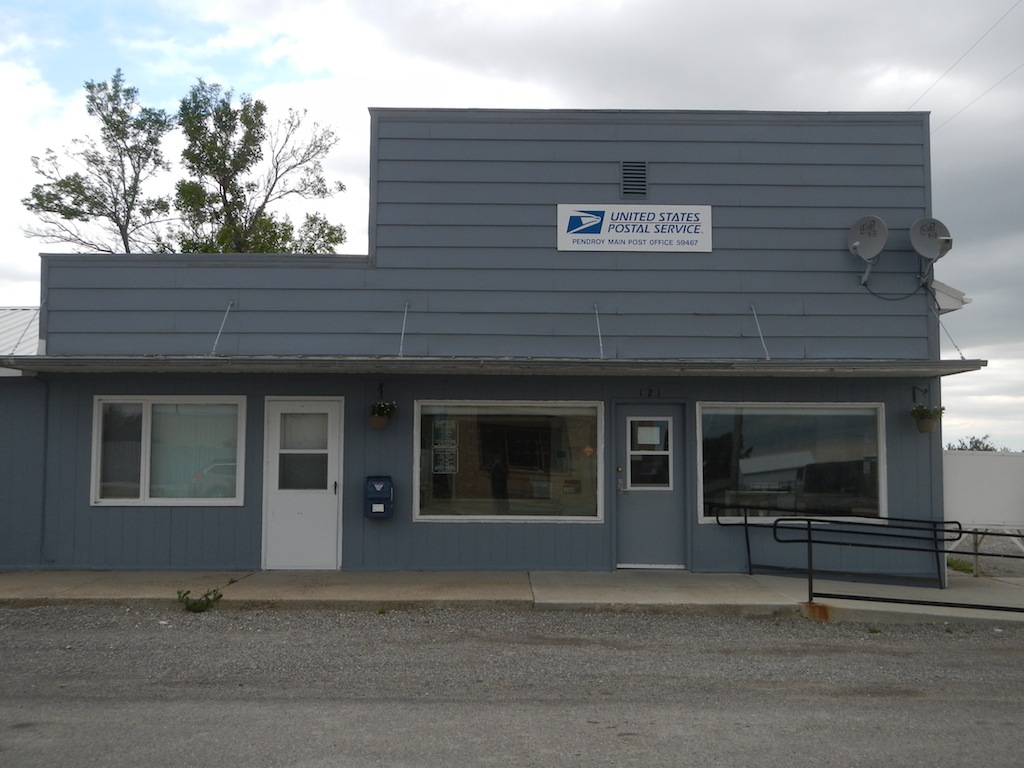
484	365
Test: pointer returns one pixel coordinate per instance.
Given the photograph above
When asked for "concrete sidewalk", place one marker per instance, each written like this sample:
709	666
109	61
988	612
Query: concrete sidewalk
676	592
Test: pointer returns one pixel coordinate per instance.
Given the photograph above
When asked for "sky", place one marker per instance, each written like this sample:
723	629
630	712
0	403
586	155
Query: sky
961	62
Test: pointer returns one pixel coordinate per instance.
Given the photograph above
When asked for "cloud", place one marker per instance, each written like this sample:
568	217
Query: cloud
43	119
339	58
987	402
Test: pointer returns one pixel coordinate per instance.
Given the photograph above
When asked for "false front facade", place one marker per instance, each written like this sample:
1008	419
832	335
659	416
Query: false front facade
586	338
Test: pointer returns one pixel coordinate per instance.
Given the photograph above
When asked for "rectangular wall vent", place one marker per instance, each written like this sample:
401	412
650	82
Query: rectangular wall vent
634	179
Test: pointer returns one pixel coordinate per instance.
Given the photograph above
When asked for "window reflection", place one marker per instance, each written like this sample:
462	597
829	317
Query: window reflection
786	460
121	451
510	460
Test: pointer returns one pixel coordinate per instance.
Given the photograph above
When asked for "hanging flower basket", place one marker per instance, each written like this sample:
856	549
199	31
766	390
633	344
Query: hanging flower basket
927	418
381	412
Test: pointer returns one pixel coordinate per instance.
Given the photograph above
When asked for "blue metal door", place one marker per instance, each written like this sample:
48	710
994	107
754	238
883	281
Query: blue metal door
649	511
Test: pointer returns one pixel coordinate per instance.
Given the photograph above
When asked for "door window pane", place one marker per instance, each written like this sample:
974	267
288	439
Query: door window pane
649	472
650	454
649	435
302	471
304	431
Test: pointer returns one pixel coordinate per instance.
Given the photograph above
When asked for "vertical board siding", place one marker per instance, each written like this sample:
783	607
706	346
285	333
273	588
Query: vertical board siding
463	232
22	424
195	538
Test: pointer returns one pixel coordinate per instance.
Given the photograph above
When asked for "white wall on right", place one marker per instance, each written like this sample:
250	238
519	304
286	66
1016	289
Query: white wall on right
984	489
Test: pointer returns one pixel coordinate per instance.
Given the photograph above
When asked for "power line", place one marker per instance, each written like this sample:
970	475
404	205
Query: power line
962	56
1019	66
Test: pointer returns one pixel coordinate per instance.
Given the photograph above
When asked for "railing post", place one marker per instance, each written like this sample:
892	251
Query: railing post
810	565
939	533
746	537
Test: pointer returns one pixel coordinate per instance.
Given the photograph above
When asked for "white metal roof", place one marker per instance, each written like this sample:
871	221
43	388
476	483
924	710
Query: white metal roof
19	333
19	330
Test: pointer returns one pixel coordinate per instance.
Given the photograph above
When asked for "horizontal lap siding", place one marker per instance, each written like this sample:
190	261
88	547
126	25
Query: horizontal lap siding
471	202
445	192
464	249
553	171
778	219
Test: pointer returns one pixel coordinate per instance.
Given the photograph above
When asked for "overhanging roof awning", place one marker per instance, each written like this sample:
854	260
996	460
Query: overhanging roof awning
506	366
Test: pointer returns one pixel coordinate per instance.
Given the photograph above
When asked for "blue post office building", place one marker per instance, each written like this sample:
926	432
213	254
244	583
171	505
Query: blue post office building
602	333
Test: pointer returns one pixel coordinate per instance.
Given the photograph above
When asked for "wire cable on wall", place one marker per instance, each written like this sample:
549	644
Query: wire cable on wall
761	335
224	320
884	297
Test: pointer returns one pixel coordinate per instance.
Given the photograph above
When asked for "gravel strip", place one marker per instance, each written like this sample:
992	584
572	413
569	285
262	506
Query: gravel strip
485	654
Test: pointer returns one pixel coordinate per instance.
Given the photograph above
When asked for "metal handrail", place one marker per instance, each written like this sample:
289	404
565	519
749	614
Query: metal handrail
835	520
950	531
788	530
812	593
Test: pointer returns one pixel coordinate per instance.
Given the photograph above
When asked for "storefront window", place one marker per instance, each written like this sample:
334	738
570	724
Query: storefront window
771	461
167	450
505	461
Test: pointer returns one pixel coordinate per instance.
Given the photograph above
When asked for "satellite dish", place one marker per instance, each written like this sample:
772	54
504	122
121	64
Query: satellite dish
930	238
866	238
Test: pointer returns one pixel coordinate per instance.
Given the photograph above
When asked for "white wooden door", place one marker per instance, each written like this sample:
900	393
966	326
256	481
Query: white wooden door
302	484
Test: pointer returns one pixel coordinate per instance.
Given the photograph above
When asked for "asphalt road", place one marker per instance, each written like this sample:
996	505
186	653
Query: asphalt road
104	686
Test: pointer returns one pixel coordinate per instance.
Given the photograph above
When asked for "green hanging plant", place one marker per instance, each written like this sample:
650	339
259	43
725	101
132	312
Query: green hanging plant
922	412
383	408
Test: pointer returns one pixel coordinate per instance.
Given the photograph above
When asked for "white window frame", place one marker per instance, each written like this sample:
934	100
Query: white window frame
537	406
670	453
879	408
147	402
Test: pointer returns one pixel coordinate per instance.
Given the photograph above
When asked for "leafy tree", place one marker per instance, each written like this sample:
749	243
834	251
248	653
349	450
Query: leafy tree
101	205
974	443
239	169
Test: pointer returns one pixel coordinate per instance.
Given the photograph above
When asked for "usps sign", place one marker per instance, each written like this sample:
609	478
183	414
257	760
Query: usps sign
670	228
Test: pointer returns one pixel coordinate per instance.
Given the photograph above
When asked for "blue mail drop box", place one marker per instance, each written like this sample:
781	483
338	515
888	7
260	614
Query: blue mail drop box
379	496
